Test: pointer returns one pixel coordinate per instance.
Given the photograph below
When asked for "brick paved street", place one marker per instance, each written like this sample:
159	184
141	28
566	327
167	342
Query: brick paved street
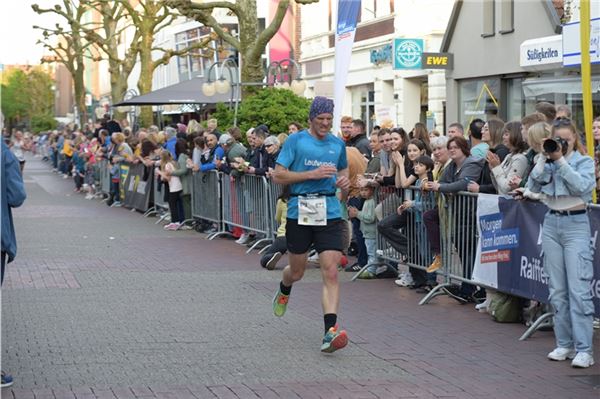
103	303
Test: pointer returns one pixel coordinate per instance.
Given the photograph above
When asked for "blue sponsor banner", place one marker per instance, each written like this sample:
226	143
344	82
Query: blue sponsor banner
347	15
523	275
517	229
408	53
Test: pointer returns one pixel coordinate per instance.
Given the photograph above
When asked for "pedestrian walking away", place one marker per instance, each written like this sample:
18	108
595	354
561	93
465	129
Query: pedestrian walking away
13	196
314	163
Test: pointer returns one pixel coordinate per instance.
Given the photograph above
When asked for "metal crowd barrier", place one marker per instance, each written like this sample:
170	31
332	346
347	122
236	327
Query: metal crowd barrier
246	205
159	207
415	249
206	199
274	191
104	170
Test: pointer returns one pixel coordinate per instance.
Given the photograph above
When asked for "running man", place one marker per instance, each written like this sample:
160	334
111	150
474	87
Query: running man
314	163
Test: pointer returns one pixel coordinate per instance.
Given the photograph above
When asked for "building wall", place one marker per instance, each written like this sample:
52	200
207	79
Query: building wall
477	56
64	101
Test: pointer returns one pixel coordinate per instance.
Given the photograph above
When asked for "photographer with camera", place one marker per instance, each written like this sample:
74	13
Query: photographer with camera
564	179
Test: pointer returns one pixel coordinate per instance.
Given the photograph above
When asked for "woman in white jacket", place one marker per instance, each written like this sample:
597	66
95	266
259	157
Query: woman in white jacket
515	163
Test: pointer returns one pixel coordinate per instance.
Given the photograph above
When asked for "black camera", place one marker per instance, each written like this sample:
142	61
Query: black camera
551	145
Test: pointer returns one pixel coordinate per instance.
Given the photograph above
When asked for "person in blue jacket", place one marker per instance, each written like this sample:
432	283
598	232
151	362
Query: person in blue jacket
563	178
13	196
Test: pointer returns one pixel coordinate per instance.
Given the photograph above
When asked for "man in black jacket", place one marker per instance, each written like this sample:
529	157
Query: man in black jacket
359	138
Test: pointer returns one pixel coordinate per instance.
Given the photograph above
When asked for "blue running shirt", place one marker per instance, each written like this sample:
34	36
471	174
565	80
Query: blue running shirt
302	152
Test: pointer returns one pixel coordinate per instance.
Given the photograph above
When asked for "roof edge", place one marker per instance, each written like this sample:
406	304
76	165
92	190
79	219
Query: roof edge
451	26
553	16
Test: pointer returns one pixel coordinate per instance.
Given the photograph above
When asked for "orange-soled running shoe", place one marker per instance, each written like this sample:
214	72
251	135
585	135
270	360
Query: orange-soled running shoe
334	340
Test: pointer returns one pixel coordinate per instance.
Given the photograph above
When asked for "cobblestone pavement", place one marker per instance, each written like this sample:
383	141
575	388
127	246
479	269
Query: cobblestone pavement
103	303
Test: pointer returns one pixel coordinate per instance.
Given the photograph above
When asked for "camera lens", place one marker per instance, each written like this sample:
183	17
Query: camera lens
550	146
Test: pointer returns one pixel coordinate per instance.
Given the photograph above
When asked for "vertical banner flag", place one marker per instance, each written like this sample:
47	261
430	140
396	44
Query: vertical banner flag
344	39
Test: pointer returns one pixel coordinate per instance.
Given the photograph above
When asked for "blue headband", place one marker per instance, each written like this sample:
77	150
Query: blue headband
320	105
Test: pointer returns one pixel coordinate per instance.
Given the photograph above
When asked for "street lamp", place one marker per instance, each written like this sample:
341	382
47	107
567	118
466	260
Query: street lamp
283	77
222	85
129	94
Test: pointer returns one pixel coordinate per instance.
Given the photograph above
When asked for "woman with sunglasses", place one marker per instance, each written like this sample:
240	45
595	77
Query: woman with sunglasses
564	180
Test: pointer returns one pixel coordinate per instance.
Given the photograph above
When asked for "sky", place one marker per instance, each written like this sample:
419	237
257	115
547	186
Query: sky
17	36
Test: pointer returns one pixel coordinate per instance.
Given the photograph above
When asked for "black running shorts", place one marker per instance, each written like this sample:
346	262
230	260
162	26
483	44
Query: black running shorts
324	238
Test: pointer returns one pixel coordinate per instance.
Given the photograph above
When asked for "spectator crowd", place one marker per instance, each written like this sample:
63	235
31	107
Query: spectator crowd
486	156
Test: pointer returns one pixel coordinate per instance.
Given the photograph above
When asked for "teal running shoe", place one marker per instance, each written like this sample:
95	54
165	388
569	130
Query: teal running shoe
334	340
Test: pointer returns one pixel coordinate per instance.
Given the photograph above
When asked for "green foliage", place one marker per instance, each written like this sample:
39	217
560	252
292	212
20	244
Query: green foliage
273	107
223	115
27	96
40	123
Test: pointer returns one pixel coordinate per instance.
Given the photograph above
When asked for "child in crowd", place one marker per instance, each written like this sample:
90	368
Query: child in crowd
167	167
368	227
78	170
89	183
279	246
423	201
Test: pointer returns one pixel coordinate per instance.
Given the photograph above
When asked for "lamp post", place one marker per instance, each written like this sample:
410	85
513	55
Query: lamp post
283	77
129	94
222	85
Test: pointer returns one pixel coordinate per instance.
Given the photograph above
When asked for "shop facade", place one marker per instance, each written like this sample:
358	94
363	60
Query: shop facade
513	61
376	90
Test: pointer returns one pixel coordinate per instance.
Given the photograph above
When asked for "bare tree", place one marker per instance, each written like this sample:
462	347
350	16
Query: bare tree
71	47
149	17
251	43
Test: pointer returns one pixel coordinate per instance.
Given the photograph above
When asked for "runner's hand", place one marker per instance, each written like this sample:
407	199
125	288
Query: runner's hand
323	172
343	182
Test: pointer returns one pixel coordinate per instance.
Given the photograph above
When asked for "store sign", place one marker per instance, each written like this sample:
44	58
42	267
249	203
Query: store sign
437	61
541	51
407	53
382	55
571	43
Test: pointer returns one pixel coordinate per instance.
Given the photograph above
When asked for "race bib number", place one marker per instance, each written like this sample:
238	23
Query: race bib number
312	211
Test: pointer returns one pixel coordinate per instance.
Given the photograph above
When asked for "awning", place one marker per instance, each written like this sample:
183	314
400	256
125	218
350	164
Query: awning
538	86
188	92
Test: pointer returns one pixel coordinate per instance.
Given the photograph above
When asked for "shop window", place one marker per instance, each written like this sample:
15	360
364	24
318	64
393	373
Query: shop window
514	105
478	99
367	108
488	18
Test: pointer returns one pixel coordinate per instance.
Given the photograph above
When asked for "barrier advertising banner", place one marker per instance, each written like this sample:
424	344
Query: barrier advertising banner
509	249
138	187
344	39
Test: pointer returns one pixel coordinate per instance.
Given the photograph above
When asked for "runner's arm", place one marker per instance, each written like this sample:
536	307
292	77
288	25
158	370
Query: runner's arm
282	175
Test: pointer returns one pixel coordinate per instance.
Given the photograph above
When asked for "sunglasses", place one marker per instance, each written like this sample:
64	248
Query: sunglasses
268	145
562	121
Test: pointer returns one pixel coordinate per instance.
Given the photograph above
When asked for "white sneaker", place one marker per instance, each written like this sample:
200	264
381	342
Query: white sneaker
89	196
560	354
313	258
582	360
405	281
171	226
483	306
243	239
